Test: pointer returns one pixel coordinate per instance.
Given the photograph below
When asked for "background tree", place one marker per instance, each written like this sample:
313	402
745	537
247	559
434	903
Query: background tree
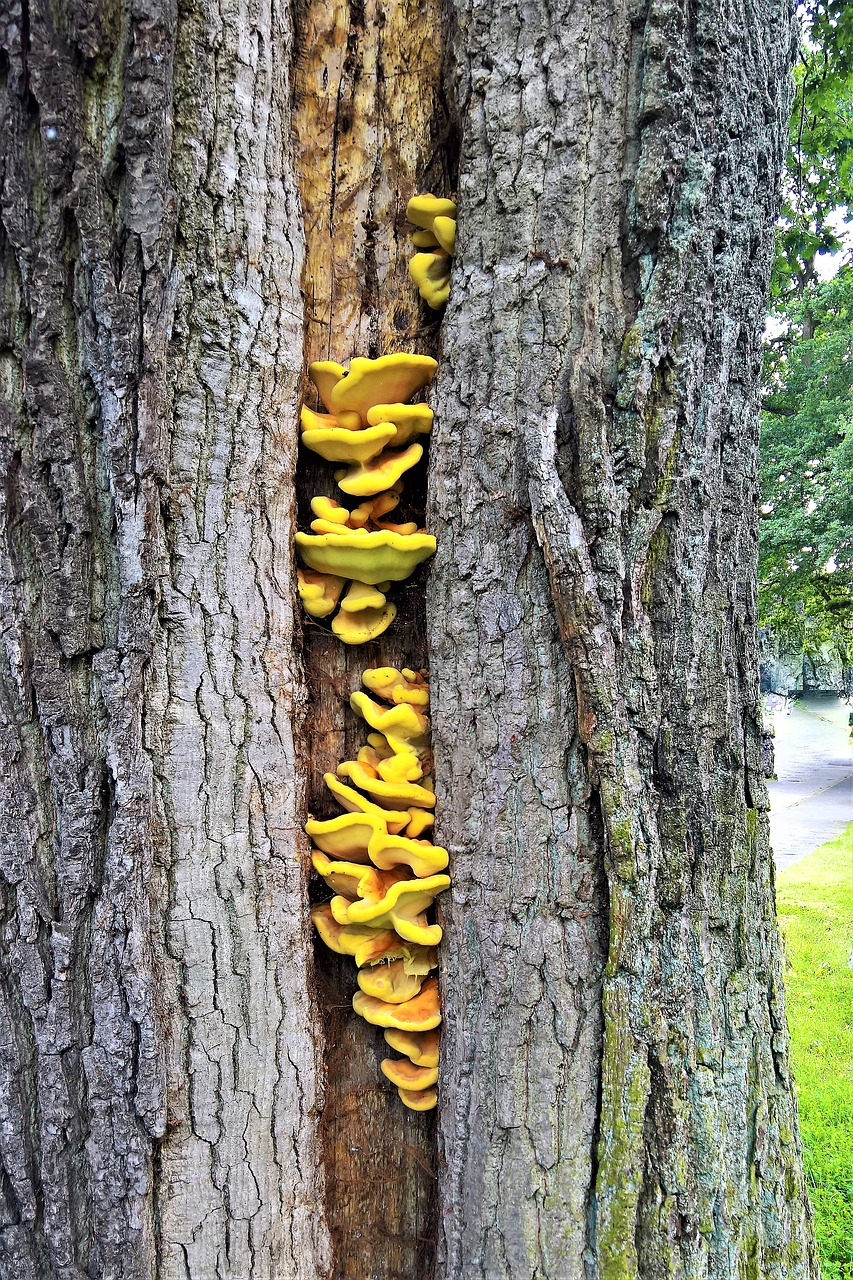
804	565
616	1099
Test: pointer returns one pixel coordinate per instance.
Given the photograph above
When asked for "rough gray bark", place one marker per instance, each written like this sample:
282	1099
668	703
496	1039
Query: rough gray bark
615	1097
158	1076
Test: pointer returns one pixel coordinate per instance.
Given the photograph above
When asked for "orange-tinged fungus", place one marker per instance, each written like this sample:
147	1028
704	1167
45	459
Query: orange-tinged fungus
359	628
353	880
389	982
319	592
372	557
365	945
424	1101
378	473
403	908
423	858
422	1013
404	1074
420	1046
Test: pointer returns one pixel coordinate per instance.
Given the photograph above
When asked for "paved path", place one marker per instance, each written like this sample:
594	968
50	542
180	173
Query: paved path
812	801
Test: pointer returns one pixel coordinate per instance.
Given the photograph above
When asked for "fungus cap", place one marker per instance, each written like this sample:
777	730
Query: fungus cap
369	557
405	727
366	625
354	802
402	908
422	209
356	881
424	1101
378	473
410	420
421	1013
346	837
420	1046
364	944
397	686
319	592
420	820
388	379
404	1074
326	374
444	230
423	858
336	444
396	795
390	982
362	595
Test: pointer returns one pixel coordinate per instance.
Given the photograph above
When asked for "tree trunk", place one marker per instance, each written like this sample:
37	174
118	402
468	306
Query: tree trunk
196	200
160	1078
616	1091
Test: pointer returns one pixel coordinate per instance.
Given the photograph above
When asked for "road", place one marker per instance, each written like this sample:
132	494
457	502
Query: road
812	800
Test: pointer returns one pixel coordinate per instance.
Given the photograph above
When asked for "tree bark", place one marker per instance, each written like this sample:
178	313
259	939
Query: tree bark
160	1078
616	1095
197	199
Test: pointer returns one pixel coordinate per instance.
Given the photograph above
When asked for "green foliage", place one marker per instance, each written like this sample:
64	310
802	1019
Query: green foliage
815	904
806	546
818	177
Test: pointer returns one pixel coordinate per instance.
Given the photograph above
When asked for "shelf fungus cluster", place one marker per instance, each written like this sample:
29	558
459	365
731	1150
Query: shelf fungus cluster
435	240
352	556
385	876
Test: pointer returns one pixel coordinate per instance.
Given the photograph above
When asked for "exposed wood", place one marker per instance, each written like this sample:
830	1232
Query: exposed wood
372	133
593	653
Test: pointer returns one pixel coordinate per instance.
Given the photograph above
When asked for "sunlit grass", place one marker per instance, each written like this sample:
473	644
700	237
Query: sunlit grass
815	903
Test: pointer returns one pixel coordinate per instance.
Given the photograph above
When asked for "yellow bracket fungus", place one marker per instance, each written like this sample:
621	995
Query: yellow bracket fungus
381	556
410	420
436	238
390	982
319	592
354	802
420	1046
358	628
397	795
379	474
347	837
406	1075
384	878
424	1101
425	859
387	380
418	1014
403	907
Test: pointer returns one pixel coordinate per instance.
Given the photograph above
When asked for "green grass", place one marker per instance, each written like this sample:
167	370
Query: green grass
815	903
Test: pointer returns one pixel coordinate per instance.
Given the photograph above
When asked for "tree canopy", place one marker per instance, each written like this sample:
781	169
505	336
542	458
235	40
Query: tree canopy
806	546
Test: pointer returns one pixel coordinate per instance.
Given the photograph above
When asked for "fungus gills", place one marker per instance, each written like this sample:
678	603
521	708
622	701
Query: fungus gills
430	269
385	877
370	427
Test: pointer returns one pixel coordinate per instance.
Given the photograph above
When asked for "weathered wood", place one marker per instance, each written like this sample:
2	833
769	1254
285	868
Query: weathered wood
615	1096
159	1071
371	133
